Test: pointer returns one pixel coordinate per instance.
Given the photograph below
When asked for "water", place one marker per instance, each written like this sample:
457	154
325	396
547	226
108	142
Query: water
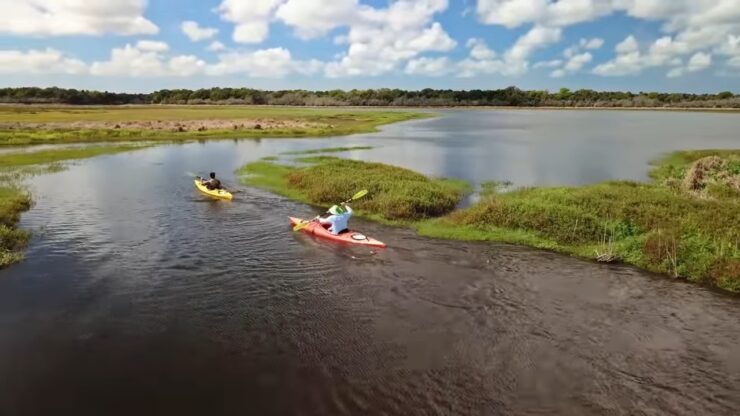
139	296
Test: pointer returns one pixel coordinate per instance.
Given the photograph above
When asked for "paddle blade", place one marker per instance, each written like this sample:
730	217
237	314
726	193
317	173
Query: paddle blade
301	225
359	195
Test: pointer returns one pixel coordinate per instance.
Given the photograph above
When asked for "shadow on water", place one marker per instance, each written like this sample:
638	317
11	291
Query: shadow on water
143	297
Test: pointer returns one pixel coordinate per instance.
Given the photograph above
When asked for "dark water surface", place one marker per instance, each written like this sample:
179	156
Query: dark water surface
139	296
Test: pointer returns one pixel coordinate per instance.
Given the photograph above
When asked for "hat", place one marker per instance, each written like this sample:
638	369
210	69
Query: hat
336	210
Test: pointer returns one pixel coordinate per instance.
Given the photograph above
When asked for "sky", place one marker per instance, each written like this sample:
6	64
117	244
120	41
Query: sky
142	46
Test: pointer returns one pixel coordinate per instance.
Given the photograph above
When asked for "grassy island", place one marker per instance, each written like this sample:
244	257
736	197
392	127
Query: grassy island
684	223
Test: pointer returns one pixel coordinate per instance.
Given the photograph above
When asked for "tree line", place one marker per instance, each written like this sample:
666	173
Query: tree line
511	96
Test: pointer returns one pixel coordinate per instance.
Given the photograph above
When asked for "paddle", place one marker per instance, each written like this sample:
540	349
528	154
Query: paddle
304	224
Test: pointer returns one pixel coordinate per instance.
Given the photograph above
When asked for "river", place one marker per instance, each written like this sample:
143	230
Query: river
139	296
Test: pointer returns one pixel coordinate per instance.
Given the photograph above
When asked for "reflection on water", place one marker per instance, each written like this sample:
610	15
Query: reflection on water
140	296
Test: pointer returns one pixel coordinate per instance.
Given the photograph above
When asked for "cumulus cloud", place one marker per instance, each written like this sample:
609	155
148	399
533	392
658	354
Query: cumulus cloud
698	62
74	17
196	33
514	13
549	64
216	46
152	46
479	49
263	63
689	26
378	39
433	67
384	38
537	38
574	64
47	61
146	59
314	18
252	18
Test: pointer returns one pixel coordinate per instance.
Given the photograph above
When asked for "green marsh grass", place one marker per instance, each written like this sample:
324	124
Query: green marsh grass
650	225
331	122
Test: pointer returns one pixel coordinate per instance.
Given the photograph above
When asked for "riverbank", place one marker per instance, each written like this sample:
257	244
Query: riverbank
14	199
680	224
31	125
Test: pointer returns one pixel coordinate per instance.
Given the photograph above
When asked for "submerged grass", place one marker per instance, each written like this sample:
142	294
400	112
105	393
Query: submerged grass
25	125
52	156
327	150
656	226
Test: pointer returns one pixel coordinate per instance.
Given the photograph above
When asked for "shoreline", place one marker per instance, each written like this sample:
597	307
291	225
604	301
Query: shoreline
371	108
657	226
34	125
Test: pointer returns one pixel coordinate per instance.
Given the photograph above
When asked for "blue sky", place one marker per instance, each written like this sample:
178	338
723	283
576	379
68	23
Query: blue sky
138	45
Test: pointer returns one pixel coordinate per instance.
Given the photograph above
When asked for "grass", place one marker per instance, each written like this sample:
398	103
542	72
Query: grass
327	150
321	122
14	200
46	157
396	194
656	226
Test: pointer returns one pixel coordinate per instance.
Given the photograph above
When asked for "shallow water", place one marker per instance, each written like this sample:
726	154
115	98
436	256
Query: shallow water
139	296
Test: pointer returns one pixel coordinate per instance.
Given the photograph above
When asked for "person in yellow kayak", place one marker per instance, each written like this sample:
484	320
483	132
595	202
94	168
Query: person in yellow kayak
212	183
336	219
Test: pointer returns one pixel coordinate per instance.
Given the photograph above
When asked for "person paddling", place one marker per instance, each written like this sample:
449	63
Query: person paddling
337	218
212	183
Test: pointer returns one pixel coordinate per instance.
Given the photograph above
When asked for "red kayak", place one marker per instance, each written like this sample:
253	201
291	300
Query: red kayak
351	237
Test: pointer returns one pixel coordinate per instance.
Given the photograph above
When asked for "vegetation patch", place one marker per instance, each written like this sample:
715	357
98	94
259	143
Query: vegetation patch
396	194
53	156
660	226
13	201
47	125
664	226
327	150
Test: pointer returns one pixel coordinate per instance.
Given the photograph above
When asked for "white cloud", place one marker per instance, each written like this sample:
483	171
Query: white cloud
152	46
378	40
538	37
433	67
595	43
511	13
479	49
74	17
314	18
382	39
146	59
186	65
699	62
549	64
263	63
582	44
628	45
216	46
689	26
552	13
39	62
675	72
252	18
574	64
196	33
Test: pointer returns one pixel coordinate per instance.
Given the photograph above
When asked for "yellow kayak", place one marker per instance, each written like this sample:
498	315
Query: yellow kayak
216	193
